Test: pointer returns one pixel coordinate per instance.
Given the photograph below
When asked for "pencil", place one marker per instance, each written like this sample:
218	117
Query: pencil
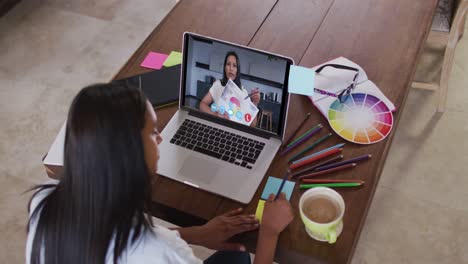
323	163
332	185
329	181
317	153
347	166
316	143
344	162
282	183
315	158
252	93
303	135
297	129
303	139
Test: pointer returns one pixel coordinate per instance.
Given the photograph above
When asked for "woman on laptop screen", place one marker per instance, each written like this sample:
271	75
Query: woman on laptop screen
98	211
227	97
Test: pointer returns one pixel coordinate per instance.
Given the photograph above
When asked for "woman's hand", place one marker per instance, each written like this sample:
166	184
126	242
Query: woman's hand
215	233
225	115
276	215
255	96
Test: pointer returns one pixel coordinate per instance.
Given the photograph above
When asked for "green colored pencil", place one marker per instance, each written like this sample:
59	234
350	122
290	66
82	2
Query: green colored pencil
303	135
320	140
341	184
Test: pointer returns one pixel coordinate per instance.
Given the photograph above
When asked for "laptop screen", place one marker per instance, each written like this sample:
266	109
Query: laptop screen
235	83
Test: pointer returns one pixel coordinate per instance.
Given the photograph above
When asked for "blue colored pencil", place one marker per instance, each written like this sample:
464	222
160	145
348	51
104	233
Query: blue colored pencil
282	183
319	152
344	162
305	138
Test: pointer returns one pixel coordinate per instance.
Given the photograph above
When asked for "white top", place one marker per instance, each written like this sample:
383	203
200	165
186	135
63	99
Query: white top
164	246
217	89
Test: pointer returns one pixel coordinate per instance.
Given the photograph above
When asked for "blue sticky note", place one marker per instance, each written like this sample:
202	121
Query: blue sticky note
272	186
301	80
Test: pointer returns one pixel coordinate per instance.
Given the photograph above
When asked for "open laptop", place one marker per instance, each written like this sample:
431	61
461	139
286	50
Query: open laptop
225	147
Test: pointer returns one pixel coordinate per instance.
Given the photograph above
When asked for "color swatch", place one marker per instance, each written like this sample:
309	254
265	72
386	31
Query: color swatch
174	58
301	80
259	211
361	118
154	60
272	186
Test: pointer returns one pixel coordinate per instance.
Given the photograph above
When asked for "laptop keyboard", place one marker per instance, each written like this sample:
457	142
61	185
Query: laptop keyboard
218	143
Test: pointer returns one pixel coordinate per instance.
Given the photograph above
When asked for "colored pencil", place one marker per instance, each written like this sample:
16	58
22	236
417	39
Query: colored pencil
344	162
304	135
323	163
318	153
282	183
302	140
343	167
297	129
315	158
313	145
332	185
329	181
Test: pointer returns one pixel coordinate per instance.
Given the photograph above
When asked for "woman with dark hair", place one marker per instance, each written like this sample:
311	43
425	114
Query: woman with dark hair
231	72
98	211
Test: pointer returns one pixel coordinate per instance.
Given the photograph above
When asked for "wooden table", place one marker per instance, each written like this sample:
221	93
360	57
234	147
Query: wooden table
385	37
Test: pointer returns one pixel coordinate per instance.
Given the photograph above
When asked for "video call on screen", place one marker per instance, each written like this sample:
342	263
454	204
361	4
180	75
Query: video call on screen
258	100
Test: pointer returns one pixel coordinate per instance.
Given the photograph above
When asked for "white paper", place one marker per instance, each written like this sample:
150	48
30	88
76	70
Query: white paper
233	101
335	80
55	154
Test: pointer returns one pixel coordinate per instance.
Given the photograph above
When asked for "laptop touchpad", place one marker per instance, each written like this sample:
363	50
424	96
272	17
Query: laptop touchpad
199	170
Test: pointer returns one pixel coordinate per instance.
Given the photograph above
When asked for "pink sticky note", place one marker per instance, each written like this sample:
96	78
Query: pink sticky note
154	60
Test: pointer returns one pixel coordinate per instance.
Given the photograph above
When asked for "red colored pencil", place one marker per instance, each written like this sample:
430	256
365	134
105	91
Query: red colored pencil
315	158
323	163
330	181
347	166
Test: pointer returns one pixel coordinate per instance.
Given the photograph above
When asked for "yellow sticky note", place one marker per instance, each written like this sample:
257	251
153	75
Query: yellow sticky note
174	58
259	212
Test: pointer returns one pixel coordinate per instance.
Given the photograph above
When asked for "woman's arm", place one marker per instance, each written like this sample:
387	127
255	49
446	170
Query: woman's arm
276	217
215	233
254	122
205	104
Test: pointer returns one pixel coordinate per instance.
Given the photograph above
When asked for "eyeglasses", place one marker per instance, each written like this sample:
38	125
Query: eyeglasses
345	93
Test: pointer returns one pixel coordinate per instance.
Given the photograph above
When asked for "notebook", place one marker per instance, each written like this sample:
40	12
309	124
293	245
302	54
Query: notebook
160	86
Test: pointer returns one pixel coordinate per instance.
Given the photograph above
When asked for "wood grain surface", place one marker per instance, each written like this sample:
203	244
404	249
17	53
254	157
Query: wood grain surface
383	36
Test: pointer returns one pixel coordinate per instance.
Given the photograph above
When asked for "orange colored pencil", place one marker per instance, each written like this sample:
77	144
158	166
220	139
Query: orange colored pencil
315	158
330	181
347	166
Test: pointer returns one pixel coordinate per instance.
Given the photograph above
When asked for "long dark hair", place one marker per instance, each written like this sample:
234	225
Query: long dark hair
225	79
105	188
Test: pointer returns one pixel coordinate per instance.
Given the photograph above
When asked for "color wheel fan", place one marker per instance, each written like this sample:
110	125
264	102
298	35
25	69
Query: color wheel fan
361	118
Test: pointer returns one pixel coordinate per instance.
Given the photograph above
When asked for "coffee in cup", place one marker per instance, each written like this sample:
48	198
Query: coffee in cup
322	211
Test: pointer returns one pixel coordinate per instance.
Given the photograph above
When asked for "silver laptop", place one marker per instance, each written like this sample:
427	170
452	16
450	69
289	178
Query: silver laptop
226	143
